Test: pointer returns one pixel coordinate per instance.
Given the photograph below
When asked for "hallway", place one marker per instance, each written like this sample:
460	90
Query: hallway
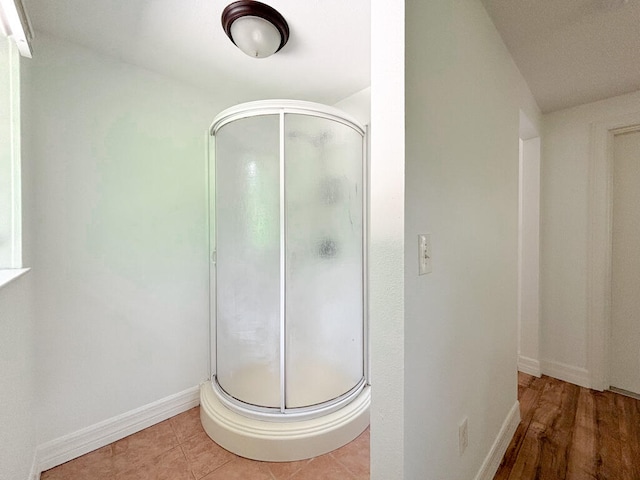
573	433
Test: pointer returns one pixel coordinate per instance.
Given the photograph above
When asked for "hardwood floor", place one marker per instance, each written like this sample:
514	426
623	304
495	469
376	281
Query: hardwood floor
573	433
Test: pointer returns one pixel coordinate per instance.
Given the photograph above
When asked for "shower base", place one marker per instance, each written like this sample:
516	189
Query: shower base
260	385
282	441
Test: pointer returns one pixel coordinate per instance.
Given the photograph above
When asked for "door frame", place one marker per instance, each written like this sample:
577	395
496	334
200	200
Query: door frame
528	270
599	244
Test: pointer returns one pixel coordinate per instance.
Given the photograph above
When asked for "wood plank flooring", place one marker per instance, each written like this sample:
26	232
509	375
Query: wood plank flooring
572	433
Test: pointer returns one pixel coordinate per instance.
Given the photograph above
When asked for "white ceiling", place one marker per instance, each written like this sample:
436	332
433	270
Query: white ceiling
569	51
572	51
326	59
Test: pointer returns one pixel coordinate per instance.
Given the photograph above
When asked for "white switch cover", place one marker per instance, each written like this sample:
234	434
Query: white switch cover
424	253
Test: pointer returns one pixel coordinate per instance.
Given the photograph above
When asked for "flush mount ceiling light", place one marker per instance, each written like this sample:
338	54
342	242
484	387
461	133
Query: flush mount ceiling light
255	28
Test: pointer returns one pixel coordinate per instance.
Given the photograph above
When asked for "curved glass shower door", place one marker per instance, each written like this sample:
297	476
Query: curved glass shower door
248	259
324	307
289	223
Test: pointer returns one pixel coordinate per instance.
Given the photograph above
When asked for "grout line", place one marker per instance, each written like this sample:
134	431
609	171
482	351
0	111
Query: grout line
173	429
190	437
344	466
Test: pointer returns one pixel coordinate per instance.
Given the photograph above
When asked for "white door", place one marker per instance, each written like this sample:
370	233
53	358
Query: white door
625	263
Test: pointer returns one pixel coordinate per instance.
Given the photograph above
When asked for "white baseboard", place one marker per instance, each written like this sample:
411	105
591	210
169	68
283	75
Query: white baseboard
499	447
529	365
568	373
34	473
63	449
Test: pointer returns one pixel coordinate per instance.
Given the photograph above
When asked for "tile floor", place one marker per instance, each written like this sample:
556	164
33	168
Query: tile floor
179	449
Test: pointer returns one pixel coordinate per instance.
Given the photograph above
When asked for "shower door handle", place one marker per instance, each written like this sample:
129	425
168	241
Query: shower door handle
214	257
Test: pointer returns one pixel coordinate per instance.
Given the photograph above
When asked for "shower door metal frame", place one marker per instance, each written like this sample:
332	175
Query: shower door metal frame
282	108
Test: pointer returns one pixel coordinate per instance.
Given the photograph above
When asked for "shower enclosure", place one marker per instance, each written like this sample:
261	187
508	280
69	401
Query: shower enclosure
288	218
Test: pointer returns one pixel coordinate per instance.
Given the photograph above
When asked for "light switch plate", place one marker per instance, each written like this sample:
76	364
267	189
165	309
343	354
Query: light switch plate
424	254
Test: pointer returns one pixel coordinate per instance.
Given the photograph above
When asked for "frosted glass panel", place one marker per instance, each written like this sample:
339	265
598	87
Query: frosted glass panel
248	259
324	287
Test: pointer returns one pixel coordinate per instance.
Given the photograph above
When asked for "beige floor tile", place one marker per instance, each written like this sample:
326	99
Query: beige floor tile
323	468
284	470
241	469
179	449
96	465
140	450
355	456
171	465
187	424
204	455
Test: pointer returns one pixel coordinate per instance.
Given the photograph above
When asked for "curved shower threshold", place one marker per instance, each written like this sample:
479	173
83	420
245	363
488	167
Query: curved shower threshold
282	441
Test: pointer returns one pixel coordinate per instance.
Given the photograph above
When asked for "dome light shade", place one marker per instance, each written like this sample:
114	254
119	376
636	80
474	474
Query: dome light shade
255	28
255	36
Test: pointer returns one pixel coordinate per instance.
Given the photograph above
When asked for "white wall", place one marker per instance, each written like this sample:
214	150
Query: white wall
357	105
386	233
564	223
121	240
463	95
17	379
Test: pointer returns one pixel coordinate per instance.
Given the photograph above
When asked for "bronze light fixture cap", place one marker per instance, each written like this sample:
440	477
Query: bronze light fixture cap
254	27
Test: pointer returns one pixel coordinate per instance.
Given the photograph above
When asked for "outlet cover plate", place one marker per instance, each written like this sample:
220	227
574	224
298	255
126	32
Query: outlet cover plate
463	435
424	254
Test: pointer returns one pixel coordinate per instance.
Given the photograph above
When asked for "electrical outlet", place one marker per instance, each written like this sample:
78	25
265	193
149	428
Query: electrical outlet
463	435
424	253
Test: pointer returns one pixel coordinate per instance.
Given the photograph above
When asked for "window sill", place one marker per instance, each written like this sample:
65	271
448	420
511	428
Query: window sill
8	275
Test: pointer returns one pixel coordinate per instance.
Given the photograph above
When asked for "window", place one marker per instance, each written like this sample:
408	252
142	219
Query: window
15	36
10	213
